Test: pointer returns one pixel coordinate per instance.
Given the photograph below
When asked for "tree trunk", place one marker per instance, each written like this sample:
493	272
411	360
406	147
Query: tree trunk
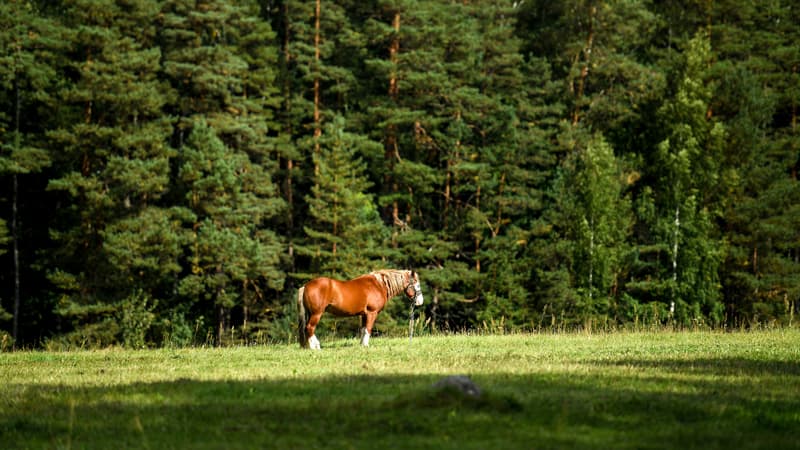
87	118
289	188
587	54
591	257
675	259
451	161
434	308
500	189
391	151
446	208
477	235
15	238
245	307
317	124
335	221
794	128
14	213
221	325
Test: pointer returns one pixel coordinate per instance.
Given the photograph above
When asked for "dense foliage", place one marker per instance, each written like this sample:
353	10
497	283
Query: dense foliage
172	170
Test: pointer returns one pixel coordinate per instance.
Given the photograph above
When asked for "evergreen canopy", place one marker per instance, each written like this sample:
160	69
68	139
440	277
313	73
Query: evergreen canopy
173	170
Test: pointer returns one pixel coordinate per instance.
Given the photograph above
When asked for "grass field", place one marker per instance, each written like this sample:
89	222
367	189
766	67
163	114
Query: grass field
621	390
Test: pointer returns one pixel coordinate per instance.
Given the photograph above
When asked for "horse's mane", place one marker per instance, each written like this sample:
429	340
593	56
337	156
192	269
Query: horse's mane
394	280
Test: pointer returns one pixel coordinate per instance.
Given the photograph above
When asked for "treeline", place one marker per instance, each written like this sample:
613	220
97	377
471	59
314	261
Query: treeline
173	170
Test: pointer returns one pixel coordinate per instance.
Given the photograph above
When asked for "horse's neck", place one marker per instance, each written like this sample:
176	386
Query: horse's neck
392	280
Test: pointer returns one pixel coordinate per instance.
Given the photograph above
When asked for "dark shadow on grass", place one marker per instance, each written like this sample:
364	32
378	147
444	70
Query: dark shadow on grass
715	366
399	411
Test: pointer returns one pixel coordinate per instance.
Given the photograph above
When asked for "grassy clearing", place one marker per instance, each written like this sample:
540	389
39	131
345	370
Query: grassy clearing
626	390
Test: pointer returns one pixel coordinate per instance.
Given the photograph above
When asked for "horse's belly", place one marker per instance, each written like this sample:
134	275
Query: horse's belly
338	310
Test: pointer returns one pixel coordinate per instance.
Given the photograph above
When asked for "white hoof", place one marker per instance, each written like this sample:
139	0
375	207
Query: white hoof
313	343
365	339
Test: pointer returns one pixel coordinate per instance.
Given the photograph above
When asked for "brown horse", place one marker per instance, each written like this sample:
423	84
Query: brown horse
364	296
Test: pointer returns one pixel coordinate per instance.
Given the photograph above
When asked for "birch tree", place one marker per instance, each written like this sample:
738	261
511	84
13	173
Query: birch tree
593	216
688	163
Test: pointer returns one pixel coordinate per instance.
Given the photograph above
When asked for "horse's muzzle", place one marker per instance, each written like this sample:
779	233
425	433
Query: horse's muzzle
418	300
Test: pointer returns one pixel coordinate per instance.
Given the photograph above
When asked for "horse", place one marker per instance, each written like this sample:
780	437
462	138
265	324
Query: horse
364	296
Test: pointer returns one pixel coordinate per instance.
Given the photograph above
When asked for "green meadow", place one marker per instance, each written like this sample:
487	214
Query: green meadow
617	390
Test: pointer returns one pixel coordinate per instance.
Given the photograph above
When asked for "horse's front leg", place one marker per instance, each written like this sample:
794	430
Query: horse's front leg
367	321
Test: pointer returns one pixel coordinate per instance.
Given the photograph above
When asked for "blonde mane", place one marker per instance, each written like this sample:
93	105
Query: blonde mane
394	280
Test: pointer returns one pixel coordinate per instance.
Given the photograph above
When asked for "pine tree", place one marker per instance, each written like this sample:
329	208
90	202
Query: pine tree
320	46
757	96
491	146
416	111
512	133
220	58
113	160
597	49
26	77
232	258
456	161
777	296
345	233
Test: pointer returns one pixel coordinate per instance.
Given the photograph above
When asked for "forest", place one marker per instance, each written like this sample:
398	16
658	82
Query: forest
173	171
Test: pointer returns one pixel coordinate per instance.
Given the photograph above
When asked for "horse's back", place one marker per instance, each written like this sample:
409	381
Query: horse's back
342	297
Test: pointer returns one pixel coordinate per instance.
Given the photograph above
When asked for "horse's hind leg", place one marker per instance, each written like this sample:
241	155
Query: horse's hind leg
367	320
313	342
363	335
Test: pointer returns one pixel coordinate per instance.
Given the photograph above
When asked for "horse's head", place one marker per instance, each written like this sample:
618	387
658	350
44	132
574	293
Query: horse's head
413	289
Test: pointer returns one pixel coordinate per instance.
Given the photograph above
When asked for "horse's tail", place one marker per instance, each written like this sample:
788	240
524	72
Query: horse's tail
301	318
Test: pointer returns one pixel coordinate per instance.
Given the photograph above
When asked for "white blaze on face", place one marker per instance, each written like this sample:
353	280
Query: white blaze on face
418	299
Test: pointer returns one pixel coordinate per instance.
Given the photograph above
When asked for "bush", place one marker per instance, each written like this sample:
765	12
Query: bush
135	317
6	341
177	331
95	335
